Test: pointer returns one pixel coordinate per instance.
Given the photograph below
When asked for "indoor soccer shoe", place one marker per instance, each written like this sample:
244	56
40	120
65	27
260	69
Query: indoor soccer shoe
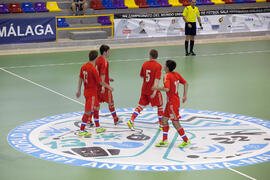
130	125
100	130
192	53
84	133
162	144
184	144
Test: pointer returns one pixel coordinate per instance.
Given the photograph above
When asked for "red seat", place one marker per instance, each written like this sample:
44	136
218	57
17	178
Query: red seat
185	2
142	3
15	8
228	1
96	4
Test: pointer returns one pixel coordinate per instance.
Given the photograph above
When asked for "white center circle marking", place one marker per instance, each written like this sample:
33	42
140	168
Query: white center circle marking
218	140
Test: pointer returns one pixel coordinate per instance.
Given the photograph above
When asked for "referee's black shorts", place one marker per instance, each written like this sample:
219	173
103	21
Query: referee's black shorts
190	31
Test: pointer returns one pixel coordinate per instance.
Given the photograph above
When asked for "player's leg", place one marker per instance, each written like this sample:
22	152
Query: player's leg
142	103
178	127
165	128
113	113
96	120
158	102
86	116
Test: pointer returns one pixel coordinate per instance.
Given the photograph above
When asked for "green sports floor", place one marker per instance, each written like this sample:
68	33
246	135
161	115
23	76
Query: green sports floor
224	77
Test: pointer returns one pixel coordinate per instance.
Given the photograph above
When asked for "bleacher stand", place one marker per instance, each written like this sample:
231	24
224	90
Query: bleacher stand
96	4
175	3
119	4
218	2
107	4
152	3
15	8
4	9
142	3
104	20
61	22
185	2
163	3
28	8
52	6
131	4
40	7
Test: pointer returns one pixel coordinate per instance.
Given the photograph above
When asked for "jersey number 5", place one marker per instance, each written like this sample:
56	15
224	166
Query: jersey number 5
147	73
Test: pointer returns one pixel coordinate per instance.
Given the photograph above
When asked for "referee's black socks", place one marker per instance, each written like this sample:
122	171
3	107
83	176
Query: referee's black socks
191	45
186	46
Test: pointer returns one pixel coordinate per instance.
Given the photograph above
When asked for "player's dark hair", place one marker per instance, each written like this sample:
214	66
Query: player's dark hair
154	54
103	48
93	55
171	65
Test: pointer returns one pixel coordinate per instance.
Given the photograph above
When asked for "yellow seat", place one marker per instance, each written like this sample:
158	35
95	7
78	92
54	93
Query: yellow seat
52	6
175	3
218	1
260	0
131	4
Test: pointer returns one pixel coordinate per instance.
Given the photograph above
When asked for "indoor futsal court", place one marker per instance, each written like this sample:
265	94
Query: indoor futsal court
226	117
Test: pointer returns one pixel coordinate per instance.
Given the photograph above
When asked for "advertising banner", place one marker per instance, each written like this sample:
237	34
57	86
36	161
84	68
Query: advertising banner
27	30
172	24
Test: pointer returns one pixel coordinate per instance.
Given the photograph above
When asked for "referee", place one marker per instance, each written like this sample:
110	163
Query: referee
189	15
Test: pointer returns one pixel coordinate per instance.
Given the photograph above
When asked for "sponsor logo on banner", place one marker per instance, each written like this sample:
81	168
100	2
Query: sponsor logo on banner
218	140
24	30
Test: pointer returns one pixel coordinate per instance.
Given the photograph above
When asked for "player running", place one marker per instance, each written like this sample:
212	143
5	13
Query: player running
151	74
105	94
91	80
171	83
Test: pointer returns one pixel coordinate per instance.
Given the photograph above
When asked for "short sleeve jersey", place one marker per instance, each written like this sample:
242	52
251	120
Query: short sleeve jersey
150	71
191	13
102	66
90	78
171	81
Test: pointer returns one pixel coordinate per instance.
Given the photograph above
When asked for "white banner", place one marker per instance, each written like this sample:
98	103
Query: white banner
175	26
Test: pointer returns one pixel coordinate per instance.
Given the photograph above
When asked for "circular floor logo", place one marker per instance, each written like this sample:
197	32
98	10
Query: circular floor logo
218	140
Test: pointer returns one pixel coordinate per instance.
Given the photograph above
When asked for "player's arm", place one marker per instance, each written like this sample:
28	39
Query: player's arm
184	99
78	94
165	88
106	85
156	82
161	89
102	77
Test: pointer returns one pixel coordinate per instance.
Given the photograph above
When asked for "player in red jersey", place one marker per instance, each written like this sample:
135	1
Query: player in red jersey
105	94
171	83
90	79
151	74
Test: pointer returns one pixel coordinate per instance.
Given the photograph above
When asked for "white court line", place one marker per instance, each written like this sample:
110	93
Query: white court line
13	74
242	174
142	59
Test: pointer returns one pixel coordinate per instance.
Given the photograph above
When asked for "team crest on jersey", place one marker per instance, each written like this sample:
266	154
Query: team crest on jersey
218	140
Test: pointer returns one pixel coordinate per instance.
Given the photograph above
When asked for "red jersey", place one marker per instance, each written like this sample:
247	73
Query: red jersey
171	81
90	78
150	71
102	66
